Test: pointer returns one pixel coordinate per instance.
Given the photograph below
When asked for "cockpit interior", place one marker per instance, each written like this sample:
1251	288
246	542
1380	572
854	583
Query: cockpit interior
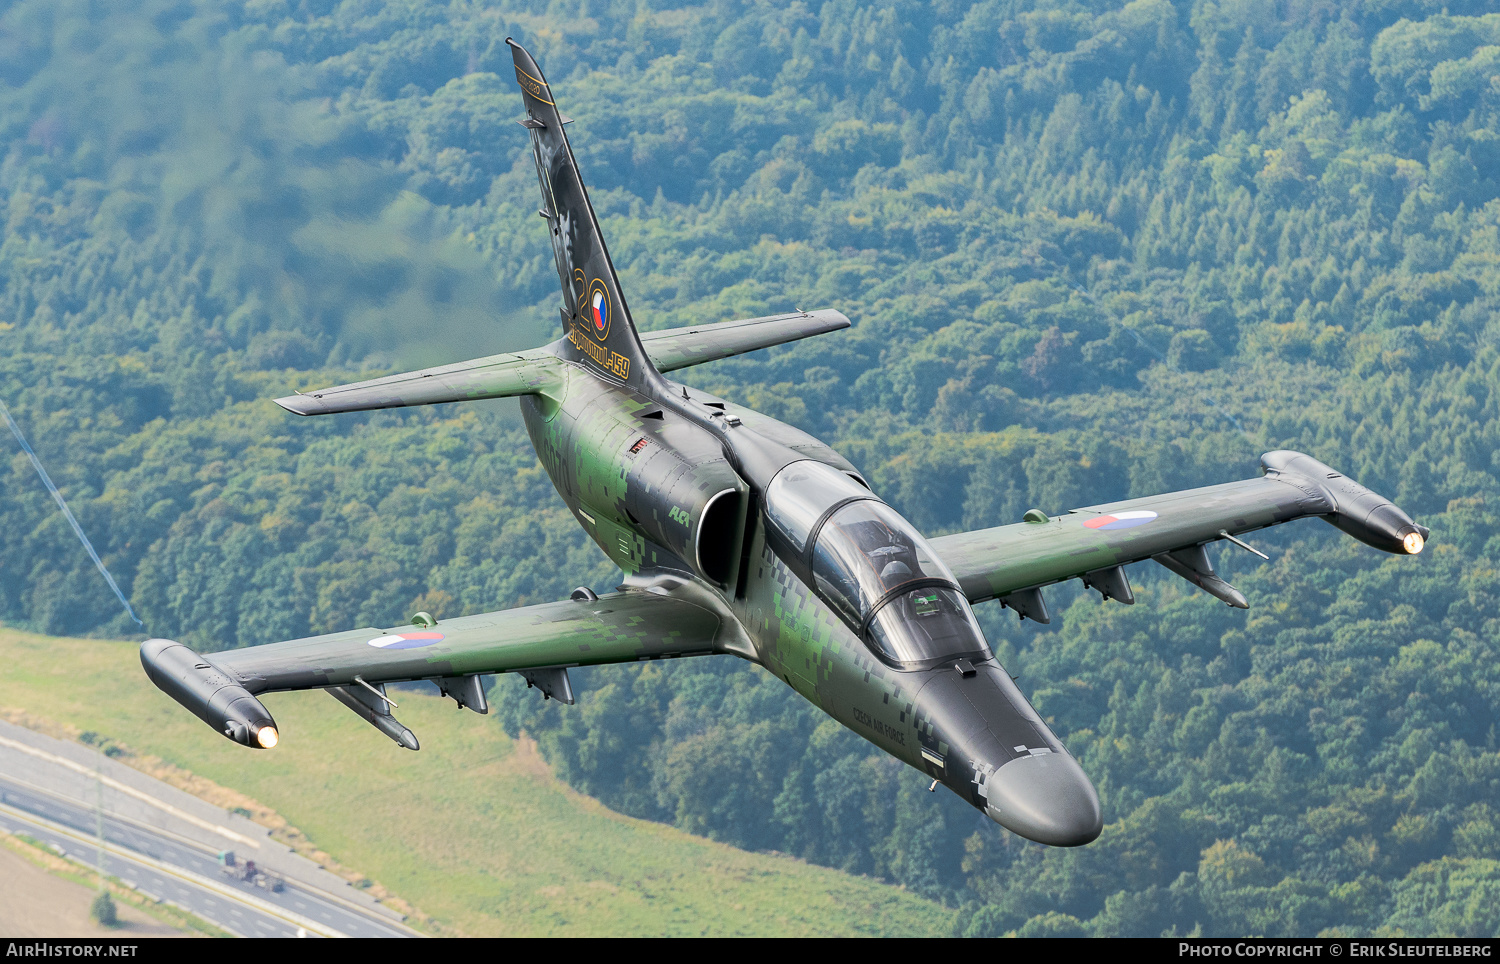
872	567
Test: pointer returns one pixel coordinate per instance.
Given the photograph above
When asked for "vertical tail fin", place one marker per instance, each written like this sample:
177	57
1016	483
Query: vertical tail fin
599	330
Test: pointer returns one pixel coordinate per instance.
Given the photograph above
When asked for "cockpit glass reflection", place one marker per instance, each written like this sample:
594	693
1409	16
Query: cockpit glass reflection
872	567
925	624
864	551
799	495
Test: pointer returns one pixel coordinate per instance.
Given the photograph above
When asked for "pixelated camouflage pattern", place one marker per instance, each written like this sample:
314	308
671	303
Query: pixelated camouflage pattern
994	562
617	627
598	331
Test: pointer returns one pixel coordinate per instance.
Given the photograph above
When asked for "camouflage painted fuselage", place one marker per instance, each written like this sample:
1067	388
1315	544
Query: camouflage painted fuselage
635	473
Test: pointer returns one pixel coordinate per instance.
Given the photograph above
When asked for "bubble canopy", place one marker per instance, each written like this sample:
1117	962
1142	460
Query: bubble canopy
802	493
872	567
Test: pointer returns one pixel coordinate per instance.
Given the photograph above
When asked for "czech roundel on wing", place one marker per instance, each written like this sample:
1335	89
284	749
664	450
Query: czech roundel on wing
405	640
1121	520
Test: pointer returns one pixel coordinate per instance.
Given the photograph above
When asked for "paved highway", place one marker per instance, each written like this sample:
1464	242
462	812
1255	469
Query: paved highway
180	870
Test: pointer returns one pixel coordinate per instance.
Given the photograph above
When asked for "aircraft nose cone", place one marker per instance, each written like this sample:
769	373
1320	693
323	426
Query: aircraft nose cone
1045	798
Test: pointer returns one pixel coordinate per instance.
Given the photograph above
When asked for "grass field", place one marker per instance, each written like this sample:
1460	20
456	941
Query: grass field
473	829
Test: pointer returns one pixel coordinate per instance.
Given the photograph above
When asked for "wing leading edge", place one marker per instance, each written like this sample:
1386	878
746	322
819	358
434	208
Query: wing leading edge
538	642
1012	562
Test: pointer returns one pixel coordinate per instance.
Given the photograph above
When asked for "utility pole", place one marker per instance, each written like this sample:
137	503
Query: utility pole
99	815
103	909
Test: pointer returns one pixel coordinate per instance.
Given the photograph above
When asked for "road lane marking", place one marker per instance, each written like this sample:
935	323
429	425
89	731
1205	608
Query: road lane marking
129	791
213	887
161	836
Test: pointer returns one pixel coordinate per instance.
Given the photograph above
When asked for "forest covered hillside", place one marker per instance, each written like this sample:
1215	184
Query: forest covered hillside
1091	251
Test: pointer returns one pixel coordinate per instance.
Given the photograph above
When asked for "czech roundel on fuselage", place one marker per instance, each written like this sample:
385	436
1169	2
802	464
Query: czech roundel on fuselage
599	309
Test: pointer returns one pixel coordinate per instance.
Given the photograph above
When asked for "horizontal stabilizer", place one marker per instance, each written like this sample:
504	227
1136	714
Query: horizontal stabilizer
538	370
496	376
684	347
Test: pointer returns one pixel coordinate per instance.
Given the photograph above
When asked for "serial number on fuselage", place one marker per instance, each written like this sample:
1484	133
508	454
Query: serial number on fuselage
889	732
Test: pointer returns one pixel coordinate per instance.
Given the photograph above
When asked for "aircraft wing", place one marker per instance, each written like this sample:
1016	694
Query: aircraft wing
684	347
495	376
1011	562
538	642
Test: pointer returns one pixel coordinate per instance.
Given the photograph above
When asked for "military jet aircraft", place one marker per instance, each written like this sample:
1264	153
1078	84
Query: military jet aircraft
741	535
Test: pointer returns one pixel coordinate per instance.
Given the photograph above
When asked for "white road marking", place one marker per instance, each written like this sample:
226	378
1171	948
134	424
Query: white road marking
212	887
128	790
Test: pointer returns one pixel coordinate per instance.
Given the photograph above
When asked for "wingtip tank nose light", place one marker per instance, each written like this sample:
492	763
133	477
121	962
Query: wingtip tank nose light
209	693
1413	543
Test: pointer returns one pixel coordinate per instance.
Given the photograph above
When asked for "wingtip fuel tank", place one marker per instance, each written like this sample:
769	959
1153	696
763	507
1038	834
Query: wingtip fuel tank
209	693
1367	516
